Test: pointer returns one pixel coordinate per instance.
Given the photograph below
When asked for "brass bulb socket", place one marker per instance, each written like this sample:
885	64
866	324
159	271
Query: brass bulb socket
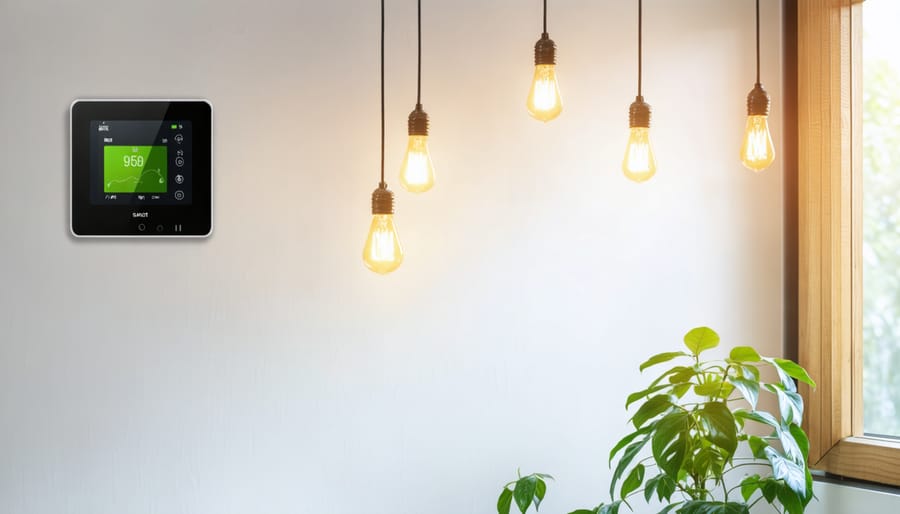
639	113
418	122
758	101
382	200
544	50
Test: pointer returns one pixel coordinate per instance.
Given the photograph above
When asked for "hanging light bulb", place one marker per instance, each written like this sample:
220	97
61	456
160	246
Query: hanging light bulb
757	149
544	101
639	163
382	252
417	171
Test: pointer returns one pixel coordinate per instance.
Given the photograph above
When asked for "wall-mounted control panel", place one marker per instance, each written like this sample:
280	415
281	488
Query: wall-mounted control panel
141	168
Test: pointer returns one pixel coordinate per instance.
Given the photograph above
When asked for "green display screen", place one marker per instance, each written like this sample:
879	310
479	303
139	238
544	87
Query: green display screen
135	169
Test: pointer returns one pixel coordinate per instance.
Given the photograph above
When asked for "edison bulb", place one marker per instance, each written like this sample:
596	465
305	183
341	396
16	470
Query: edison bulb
757	151
639	164
417	172
382	253
544	101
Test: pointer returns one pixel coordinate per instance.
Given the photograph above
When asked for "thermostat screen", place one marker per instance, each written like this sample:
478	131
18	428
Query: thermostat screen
137	162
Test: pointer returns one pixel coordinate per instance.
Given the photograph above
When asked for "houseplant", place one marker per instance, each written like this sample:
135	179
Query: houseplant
701	421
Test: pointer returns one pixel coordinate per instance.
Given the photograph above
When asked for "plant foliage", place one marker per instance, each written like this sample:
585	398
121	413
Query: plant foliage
693	420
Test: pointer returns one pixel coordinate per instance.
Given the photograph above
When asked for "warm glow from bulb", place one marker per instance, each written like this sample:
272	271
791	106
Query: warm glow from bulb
417	172
757	152
639	164
382	253
544	102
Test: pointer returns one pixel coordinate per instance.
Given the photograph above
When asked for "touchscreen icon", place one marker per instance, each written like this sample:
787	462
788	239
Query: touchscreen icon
179	138
179	195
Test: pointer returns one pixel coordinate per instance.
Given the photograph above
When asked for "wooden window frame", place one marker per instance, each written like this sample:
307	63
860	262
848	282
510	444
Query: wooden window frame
829	241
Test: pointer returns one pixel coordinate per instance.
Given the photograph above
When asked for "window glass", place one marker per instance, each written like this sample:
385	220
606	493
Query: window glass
881	218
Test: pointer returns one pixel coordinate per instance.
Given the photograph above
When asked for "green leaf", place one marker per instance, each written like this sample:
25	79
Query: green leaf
633	397
669	507
790	447
671	442
758	446
680	389
624	462
504	502
659	358
665	488
627	439
790	501
802	440
789	471
720	426
524	492
744	354
612	508
770	488
711	507
708	389
701	339
794	370
540	489
684	374
650	487
790	403
749	389
652	408
750	371
749	486
758	416
632	481
785	379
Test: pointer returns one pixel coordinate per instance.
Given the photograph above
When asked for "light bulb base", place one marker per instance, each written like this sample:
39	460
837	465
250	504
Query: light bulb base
639	113
382	200
544	50
418	122
758	101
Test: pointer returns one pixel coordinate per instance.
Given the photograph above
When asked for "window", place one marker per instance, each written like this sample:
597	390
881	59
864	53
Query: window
881	218
833	321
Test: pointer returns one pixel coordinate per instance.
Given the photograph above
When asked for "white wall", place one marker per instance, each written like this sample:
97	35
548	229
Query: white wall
265	369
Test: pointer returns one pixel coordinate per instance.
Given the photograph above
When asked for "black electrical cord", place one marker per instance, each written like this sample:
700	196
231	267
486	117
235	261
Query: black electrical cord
419	78
757	41
545	16
640	43
382	92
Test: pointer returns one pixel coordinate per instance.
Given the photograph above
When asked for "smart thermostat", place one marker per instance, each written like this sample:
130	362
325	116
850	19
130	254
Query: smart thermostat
141	168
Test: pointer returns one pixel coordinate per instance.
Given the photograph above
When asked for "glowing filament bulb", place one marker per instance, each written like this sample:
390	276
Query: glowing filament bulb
544	101
417	172
382	252
639	164
757	150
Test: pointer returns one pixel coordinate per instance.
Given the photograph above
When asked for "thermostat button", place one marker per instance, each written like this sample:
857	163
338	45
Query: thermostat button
179	195
142	227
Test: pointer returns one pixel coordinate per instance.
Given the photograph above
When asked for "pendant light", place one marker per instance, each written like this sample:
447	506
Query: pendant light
417	171
544	102
757	150
382	252
639	163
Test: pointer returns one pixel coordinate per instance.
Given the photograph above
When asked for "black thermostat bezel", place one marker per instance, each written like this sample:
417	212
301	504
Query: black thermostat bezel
90	220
